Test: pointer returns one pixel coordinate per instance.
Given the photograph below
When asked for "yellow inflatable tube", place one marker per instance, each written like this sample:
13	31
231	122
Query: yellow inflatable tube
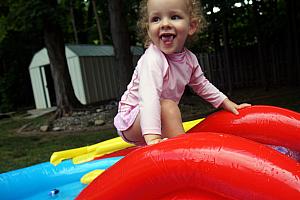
88	153
190	124
84	154
89	177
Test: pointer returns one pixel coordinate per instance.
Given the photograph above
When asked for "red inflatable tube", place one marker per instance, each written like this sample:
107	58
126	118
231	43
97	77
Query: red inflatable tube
264	124
199	166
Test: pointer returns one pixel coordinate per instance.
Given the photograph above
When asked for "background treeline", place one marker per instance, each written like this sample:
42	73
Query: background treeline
245	44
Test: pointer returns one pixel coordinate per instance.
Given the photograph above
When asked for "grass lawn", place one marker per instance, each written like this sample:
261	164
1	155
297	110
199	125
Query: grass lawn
20	150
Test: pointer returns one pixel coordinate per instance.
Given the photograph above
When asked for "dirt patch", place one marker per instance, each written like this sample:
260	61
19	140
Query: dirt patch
192	107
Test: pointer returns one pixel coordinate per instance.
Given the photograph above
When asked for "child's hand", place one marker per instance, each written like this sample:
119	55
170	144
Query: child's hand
233	107
153	139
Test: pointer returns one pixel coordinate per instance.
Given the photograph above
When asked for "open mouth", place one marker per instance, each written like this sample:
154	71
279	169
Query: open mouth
167	37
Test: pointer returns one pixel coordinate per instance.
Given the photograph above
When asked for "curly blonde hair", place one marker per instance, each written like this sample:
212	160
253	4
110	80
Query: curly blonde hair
194	8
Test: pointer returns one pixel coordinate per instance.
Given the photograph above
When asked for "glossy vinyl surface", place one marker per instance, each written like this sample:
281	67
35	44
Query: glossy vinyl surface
45	181
200	166
264	124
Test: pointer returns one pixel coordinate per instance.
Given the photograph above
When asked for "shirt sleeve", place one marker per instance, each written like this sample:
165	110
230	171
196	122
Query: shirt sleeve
205	89
151	75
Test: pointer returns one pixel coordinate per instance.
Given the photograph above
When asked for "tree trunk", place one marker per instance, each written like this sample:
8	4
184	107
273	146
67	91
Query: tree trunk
64	92
259	45
121	42
228	58
227	54
74	22
97	22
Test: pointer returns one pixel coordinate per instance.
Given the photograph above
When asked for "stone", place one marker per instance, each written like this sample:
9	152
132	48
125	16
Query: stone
57	128
99	122
44	128
99	110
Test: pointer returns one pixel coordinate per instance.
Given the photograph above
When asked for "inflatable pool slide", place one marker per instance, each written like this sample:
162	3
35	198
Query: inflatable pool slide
252	155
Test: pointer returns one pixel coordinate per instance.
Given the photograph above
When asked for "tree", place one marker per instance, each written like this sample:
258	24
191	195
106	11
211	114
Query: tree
267	27
15	56
99	29
73	20
55	45
293	42
227	53
121	42
77	19
46	18
259	44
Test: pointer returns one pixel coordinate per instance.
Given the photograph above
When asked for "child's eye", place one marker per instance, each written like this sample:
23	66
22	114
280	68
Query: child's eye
175	17
155	19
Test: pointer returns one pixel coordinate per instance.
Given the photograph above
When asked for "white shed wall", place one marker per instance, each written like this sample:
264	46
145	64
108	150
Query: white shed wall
76	78
39	82
39	59
92	71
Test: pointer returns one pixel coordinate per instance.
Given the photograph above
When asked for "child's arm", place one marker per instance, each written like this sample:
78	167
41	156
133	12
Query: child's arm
233	107
153	138
210	93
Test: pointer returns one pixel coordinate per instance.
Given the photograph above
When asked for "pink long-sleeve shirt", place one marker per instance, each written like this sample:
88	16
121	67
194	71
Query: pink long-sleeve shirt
159	76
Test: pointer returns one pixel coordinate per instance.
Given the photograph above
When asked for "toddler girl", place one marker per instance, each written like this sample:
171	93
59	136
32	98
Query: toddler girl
148	110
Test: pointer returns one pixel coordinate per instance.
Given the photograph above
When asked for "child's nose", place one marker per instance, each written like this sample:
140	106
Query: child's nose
165	23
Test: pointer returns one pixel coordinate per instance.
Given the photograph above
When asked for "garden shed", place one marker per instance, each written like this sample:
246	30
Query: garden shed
92	69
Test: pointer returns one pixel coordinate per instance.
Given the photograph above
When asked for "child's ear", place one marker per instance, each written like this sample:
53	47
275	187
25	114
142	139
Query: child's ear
193	26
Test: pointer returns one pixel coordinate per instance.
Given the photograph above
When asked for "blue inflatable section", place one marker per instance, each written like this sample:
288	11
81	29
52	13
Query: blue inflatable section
45	181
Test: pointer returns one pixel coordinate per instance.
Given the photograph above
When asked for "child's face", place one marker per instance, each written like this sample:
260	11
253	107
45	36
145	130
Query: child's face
169	24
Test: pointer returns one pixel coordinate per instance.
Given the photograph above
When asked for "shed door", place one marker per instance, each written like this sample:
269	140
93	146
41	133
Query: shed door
48	86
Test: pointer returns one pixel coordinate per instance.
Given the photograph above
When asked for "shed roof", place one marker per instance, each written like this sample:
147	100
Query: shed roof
41	57
99	50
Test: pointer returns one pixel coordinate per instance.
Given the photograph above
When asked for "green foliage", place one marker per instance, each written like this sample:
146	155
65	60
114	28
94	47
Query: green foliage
7	91
22	21
15	56
31	14
261	19
3	31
